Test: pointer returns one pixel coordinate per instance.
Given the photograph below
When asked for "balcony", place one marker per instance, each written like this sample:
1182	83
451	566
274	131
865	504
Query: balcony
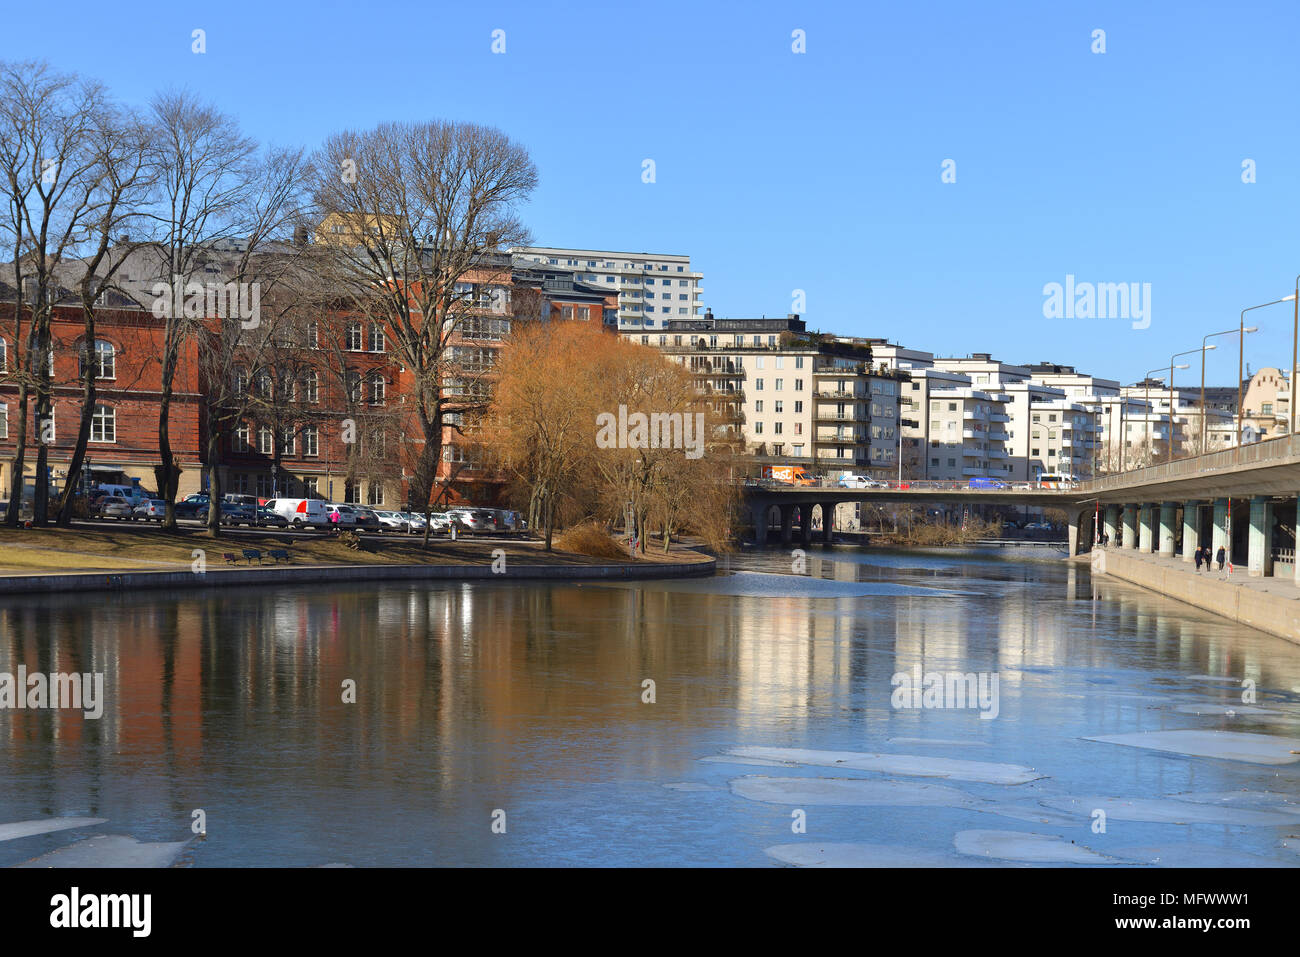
975	416
998	436
997	454
827	415
999	417
838	395
972	433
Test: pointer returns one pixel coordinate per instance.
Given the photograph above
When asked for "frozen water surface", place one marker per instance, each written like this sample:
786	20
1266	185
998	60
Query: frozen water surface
1195	855
864	855
527	696
111	850
1031	848
849	791
911	765
1161	811
1229	745
1225	709
9	832
1260	800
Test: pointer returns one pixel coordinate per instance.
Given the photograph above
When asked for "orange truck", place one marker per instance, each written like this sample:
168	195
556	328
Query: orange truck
789	474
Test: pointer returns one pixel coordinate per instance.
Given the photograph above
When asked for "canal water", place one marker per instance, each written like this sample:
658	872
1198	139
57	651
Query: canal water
756	718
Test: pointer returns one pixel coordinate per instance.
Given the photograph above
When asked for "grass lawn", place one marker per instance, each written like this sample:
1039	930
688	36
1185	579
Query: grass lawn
141	547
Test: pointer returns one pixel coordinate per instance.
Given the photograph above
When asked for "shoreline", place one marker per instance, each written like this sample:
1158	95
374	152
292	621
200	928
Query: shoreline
255	575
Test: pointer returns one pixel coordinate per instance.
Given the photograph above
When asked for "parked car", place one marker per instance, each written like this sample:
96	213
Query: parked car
189	506
341	516
232	513
153	510
509	522
271	518
987	483
414	522
301	512
366	519
115	506
392	521
473	519
853	480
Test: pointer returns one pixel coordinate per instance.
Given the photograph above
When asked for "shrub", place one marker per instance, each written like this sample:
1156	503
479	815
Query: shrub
589	539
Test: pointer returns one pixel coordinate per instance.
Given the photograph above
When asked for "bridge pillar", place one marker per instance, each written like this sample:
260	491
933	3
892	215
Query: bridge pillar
1220	516
1296	556
1144	528
1167	528
1112	524
787	524
1191	529
828	521
805	524
1260	552
760	514
1130	526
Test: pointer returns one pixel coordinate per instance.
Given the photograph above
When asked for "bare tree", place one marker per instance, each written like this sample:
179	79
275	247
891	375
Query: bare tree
408	213
49	131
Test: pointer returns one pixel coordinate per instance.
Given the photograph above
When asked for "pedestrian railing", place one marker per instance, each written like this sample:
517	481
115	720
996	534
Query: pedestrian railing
1272	451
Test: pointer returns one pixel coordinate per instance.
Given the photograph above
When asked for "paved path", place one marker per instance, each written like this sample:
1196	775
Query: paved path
1284	586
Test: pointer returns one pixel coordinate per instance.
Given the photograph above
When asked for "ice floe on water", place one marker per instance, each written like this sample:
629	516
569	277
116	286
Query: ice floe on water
1259	800
692	786
864	855
110	850
10	832
752	762
909	765
1225	709
1229	745
1020	846
850	791
1034	814
1194	855
937	742
1168	811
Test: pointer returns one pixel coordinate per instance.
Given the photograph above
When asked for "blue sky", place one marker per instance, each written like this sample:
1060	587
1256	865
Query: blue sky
820	171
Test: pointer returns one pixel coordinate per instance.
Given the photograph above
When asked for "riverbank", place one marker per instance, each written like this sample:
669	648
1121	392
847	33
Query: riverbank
46	561
1267	604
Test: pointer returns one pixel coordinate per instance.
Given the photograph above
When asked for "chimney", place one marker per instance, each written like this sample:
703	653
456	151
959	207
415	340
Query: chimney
708	314
300	235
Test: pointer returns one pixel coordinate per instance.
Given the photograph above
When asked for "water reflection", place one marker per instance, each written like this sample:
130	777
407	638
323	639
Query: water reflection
474	697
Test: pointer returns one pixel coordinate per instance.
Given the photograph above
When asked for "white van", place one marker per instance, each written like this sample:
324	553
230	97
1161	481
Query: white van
301	512
132	493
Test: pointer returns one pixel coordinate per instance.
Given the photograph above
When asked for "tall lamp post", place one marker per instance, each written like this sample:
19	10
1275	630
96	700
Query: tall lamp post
1204	349
1241	350
1146	381
1169	457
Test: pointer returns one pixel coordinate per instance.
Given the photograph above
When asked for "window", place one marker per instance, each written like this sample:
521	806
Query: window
758	405
798	406
103	424
313	335
4	421
351	493
758	428
798	385
1266	408
952	406
310	442
288	442
242	438
758	385
4	356
241	380
311	386
377	342
780	384
265	440
354	334
376	389
309	488
779	405
776	427
353	384
375	494
104	362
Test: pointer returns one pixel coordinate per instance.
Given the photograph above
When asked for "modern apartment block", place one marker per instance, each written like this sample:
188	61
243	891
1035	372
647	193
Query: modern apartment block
652	288
821	404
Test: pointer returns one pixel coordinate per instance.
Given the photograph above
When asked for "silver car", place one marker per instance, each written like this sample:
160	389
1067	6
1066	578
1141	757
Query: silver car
117	507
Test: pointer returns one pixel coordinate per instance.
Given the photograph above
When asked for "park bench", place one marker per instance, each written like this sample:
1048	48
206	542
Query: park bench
279	554
251	553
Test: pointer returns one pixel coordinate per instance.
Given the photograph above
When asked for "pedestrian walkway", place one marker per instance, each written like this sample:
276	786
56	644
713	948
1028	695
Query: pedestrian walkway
1282	585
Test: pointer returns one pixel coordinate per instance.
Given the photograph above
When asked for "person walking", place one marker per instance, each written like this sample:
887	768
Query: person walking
1221	557
1200	556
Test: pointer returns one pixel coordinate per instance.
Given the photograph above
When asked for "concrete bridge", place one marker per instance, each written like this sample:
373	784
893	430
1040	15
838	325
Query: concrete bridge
1242	499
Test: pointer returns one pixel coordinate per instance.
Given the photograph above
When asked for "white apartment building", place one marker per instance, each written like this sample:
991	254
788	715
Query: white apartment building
824	406
653	288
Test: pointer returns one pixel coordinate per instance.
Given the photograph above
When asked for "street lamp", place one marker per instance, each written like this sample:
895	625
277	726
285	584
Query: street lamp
1241	349
1169	457
1204	349
1146	382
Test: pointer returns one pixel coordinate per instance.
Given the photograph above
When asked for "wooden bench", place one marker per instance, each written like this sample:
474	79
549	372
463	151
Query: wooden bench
251	553
279	554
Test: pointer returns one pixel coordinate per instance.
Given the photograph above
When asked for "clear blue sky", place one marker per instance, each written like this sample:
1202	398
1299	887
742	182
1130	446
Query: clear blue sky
820	171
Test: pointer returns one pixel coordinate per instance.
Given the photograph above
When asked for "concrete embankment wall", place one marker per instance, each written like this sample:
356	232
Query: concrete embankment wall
72	584
1275	614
